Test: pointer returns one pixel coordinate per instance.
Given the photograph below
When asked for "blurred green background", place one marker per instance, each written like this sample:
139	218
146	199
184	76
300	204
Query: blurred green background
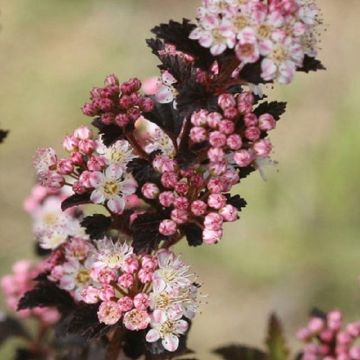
297	243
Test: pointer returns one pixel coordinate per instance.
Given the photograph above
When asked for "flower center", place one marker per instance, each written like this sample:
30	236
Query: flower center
163	301
117	156
166	328
111	188
246	49
264	31
218	37
240	22
50	218
280	54
83	276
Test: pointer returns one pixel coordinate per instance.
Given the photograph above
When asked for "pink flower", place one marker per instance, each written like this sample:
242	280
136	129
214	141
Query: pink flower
83	133
109	313
216	201
243	158
266	122
45	159
198	134
136	320
165	92
263	148
166	198
247	49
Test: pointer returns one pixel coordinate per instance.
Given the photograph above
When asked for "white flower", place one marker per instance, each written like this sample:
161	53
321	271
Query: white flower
214	33
112	187
45	159
110	254
158	140
167	329
165	92
76	277
172	272
120	153
53	227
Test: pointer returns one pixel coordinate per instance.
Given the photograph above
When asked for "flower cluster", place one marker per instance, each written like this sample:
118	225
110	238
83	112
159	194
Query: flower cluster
233	139
279	32
119	104
153	292
91	168
327	338
15	285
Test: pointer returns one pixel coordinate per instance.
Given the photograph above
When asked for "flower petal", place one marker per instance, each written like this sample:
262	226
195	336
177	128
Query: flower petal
116	204
152	335
171	343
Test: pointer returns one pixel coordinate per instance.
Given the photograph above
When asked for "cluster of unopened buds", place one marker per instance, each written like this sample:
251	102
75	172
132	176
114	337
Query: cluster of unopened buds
16	284
142	291
327	338
116	103
280	32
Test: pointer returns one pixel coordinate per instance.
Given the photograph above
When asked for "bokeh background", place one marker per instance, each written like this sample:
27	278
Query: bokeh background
297	244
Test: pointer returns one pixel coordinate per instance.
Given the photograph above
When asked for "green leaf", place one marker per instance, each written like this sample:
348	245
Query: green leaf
240	352
276	342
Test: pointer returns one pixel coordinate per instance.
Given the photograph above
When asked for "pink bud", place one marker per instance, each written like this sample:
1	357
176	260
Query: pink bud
77	158
149	263
267	122
169	180
316	325
89	109
181	203
252	133
78	188
198	207
181	187
90	295
217	139
111	80
226	101
83	133
231	113
65	167
234	142
229	213
245	102
121	120
126	281
96	163
107	118
250	120
213	221
150	191
179	216
168	227
216	201
211	236
213	120
215	185
166	198
263	148
199	118
216	154
147	105
105	104
227	127
141	301
70	143
130	264
109	313
243	158
125	303
87	146
198	134
145	276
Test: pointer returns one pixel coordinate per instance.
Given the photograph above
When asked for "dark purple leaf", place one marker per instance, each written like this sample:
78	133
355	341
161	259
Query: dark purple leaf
75	200
96	225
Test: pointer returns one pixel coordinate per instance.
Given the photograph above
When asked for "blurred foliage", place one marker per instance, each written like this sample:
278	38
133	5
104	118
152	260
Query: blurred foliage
297	243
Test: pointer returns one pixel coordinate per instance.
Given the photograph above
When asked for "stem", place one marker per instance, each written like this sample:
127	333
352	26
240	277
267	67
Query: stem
114	347
141	152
